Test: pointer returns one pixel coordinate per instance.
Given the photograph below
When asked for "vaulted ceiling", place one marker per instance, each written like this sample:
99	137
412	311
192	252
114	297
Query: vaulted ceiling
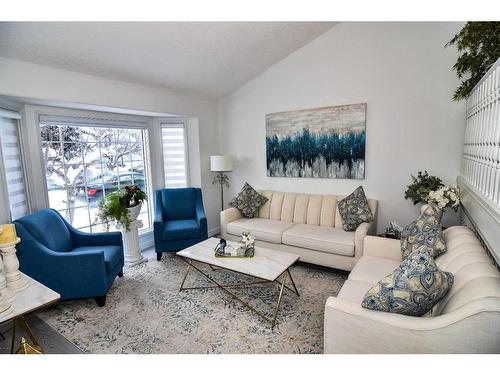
207	59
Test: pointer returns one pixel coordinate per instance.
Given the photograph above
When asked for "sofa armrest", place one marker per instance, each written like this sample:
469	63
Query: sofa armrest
200	216
381	247
158	211
359	236
227	216
350	328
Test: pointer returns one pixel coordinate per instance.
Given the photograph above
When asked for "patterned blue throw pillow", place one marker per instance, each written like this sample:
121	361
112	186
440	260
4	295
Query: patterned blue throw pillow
354	210
424	232
248	201
411	289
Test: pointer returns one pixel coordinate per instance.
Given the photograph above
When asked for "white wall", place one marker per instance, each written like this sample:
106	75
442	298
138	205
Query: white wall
403	73
46	84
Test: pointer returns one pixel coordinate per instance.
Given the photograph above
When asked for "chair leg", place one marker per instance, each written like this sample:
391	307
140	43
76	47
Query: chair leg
158	256
120	274
101	300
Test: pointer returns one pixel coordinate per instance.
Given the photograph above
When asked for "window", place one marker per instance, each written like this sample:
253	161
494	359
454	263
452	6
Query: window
84	163
174	154
13	166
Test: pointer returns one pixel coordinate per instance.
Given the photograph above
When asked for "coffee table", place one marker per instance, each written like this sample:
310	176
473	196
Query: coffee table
268	266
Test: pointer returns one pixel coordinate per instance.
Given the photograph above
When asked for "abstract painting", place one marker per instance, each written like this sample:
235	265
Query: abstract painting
324	142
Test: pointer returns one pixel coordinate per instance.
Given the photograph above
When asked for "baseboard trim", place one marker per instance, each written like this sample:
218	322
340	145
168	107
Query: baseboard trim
214	231
146	240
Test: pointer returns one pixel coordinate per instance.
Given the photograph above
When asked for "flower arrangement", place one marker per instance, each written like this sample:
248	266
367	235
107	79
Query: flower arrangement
247	239
445	197
114	208
421	186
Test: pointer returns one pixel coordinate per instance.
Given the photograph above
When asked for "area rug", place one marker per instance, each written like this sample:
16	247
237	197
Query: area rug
146	313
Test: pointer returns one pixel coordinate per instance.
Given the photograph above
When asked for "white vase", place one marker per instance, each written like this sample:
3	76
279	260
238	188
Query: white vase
133	212
439	212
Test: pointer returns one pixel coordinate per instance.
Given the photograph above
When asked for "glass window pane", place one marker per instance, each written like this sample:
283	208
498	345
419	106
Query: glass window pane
83	164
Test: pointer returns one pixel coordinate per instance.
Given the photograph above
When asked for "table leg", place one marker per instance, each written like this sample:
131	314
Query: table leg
185	275
13	340
293	283
22	320
278	304
30	334
281	281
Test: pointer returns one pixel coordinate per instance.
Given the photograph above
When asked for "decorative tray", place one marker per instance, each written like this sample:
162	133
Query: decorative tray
233	251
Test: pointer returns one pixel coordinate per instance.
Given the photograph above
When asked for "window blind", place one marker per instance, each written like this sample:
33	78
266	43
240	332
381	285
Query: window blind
104	121
174	155
13	166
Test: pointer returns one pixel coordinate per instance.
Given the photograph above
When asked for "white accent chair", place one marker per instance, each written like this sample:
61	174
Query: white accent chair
303	224
467	320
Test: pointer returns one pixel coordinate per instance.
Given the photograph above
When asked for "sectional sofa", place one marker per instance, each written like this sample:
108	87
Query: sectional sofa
303	224
466	320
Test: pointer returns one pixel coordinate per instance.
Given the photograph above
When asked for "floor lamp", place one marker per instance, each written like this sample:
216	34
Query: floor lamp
221	164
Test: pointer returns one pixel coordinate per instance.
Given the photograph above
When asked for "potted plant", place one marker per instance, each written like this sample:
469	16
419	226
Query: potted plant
121	206
421	186
429	189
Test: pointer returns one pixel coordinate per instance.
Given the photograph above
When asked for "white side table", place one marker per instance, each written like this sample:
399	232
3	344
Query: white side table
133	255
32	298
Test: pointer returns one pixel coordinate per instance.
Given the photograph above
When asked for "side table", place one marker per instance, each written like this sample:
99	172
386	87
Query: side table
35	296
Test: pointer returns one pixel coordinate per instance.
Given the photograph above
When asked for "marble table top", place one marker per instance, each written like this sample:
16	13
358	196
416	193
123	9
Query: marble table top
266	264
34	297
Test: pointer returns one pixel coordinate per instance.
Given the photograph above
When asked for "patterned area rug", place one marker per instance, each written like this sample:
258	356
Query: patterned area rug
146	313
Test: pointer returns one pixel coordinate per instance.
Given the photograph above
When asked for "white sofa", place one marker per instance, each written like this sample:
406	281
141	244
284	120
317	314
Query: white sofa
467	320
303	224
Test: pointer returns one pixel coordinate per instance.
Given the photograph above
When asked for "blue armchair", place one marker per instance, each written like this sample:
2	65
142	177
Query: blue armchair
180	219
73	263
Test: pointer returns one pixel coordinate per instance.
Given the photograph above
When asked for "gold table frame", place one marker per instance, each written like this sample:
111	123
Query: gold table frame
283	276
21	321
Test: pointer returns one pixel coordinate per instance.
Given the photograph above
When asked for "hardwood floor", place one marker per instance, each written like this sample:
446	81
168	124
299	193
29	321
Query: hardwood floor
51	341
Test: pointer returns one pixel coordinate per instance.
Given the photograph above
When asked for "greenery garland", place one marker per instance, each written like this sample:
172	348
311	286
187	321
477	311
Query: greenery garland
479	45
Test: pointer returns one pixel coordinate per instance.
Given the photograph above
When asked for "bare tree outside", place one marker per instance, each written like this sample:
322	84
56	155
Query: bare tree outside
83	164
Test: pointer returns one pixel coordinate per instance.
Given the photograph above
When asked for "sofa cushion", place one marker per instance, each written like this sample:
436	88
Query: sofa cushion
423	232
113	255
411	289
354	210
371	269
248	201
180	230
328	240
263	229
178	204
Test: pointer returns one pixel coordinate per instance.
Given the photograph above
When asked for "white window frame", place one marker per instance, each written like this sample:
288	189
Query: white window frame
175	124
38	197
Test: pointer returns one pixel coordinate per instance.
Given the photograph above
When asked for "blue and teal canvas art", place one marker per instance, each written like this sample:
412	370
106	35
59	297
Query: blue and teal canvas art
324	142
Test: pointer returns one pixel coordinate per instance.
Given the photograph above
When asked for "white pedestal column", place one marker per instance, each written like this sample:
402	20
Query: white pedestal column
133	255
5	293
15	281
6	296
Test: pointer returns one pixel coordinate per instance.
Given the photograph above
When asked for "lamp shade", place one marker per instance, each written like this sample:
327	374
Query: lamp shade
221	163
